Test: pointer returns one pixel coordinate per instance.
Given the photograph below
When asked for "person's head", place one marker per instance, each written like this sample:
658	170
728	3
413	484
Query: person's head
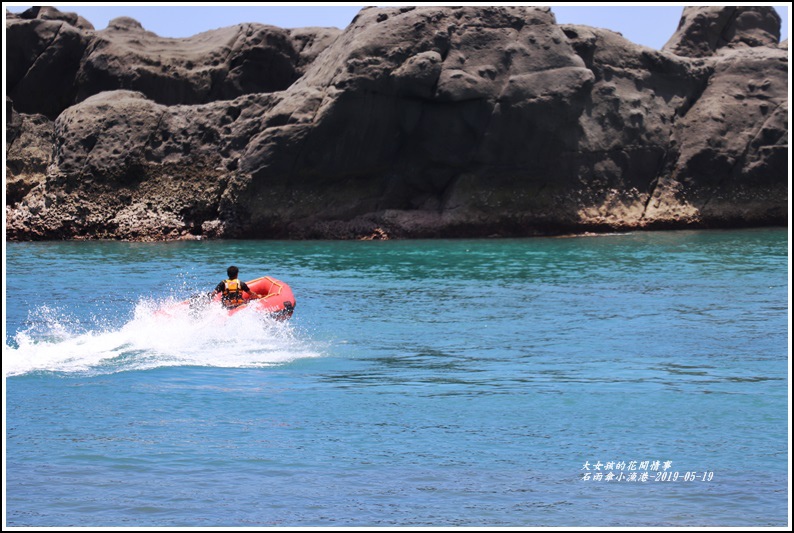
232	272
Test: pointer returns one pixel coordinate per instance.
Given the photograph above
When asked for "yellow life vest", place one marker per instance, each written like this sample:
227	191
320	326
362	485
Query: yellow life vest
232	293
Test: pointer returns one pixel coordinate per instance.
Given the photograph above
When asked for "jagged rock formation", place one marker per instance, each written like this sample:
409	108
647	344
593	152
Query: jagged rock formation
703	31
413	122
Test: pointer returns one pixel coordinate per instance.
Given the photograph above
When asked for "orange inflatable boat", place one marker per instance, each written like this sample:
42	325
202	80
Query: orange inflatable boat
276	299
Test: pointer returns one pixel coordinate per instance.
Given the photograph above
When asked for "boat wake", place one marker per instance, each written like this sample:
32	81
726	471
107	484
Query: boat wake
54	342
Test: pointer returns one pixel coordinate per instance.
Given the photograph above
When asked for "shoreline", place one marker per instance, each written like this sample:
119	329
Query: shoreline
385	236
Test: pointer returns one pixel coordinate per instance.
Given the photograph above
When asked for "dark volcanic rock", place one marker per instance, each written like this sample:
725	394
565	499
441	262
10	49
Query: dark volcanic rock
120	171
50	13
43	56
215	65
732	146
704	30
49	49
29	143
309	42
413	122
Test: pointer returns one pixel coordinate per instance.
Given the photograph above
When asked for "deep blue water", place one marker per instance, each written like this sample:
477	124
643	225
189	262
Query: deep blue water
419	383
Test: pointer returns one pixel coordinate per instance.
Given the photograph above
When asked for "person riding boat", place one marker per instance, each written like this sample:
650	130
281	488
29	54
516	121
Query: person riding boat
232	289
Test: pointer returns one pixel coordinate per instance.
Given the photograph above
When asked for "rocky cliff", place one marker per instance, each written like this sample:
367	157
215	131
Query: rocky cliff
412	122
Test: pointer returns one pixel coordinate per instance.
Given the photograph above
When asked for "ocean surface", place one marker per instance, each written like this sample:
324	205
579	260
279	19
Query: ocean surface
628	380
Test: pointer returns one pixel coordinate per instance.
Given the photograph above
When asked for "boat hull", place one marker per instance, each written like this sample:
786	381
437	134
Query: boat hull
275	299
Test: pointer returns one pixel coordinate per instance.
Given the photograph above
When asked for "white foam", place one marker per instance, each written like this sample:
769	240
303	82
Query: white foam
208	337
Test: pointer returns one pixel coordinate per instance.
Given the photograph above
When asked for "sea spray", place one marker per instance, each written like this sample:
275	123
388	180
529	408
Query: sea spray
55	342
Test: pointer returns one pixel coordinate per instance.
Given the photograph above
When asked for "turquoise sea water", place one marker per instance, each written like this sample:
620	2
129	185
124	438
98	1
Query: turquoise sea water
621	380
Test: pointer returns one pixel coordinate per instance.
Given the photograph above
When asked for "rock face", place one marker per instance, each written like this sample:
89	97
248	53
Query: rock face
412	122
705	30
